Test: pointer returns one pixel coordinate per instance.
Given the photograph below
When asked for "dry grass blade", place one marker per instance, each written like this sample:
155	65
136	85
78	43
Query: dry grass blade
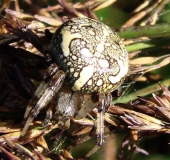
8	155
19	15
69	8
155	116
104	4
24	151
23	32
8	127
166	92
48	20
40	141
6	39
147	12
152	16
82	130
146	64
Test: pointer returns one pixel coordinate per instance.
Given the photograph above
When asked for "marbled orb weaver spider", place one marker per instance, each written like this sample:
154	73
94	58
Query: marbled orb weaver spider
89	58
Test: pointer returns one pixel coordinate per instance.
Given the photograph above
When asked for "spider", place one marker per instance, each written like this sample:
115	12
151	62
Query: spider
89	58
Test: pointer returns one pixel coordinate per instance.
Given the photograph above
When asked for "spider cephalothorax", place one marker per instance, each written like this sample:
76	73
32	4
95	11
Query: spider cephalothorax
92	58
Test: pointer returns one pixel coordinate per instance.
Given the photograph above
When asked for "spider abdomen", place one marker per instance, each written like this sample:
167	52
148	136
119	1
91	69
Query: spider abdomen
93	57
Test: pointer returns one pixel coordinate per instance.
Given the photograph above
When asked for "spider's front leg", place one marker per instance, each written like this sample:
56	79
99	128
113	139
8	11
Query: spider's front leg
104	102
53	81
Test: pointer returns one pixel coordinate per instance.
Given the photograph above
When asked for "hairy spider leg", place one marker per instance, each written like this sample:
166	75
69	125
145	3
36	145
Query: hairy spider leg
49	115
104	102
53	81
52	69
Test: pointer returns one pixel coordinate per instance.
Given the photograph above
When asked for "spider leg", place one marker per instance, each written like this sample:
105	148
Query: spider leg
108	100
53	81
53	68
49	115
104	102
